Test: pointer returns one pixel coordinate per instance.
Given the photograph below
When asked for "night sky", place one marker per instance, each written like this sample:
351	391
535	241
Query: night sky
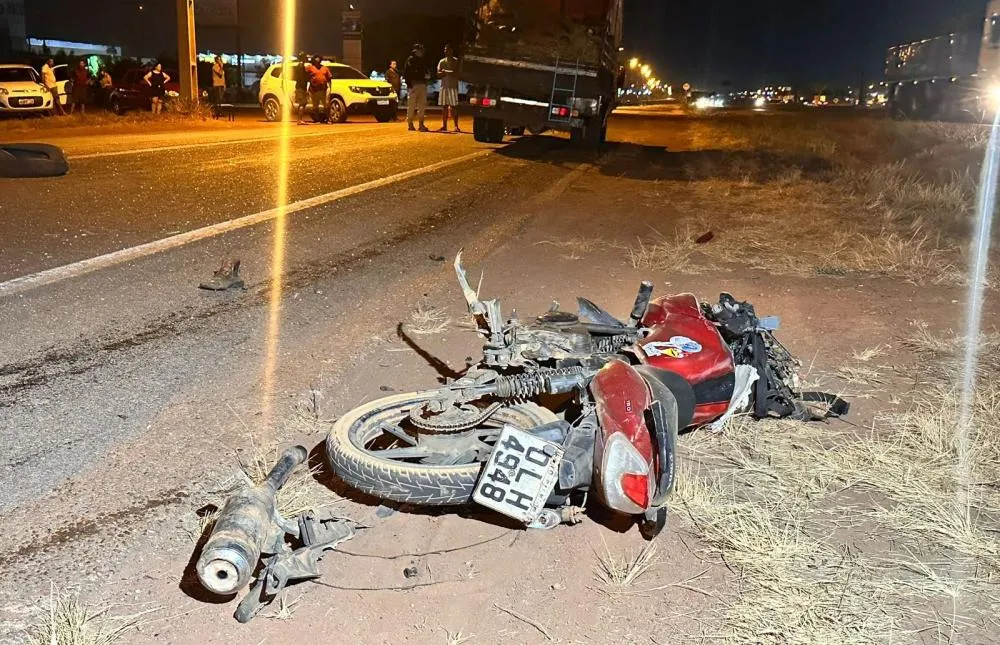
704	42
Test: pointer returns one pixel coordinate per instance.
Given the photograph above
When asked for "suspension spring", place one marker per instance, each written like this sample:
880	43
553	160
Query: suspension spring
550	381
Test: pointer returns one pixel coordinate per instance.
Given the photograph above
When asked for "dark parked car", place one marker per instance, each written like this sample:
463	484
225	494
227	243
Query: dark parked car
131	92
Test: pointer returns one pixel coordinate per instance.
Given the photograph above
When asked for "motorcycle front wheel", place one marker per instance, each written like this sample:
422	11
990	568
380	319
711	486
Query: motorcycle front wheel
377	449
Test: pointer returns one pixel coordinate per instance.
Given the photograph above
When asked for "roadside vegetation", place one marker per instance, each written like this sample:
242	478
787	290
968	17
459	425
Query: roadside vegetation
135	120
832	196
876	534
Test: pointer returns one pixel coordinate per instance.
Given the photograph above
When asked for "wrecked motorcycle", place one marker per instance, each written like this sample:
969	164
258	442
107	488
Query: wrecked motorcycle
566	404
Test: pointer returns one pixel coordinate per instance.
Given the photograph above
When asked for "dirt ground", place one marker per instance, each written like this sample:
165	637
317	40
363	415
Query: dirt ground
855	273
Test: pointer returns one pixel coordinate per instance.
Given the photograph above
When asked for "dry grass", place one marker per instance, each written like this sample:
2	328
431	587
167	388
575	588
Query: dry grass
619	571
300	494
425	321
285	609
67	621
854	196
860	539
455	638
869	353
135	121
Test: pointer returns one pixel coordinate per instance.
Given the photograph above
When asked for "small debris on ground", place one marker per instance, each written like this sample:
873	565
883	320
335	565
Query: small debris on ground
227	277
410	572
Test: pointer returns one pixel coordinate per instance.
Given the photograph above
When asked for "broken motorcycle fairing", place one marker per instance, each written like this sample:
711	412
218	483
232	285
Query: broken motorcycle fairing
567	404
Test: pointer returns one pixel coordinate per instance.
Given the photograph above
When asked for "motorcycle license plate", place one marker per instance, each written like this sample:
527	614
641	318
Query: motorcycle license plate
384	102
519	476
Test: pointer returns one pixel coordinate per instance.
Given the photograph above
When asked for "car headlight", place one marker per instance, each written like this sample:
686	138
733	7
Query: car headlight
4	91
172	94
357	90
703	102
759	101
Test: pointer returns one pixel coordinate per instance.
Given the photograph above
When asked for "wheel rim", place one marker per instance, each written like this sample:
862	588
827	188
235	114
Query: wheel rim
387	435
337	111
271	109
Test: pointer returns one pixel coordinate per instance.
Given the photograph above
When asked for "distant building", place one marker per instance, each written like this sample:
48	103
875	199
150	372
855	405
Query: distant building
13	34
39	45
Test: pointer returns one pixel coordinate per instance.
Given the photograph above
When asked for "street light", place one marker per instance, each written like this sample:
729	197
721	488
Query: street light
647	71
633	63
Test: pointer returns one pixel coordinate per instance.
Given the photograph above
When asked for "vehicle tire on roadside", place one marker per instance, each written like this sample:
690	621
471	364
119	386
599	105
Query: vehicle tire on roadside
338	110
516	131
384	116
272	108
400	481
23	160
488	130
116	106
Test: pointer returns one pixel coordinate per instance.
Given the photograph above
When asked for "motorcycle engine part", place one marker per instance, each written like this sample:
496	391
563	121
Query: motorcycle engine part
453	419
394	474
247	526
286	567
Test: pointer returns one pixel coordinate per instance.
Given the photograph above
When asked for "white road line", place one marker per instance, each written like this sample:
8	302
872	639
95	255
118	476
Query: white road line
76	269
221	142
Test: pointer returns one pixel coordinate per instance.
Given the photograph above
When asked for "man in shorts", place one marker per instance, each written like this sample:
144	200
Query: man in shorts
447	72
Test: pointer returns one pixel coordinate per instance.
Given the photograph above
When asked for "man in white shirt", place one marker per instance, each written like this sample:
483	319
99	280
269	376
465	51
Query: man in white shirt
50	83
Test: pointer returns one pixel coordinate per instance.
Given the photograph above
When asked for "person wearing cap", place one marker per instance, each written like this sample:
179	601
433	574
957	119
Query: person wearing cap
415	73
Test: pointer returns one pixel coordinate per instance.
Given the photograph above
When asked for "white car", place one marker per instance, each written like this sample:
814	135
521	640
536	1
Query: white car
351	92
21	91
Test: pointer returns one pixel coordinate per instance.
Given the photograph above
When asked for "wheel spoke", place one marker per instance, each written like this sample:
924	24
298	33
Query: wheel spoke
397	432
400	453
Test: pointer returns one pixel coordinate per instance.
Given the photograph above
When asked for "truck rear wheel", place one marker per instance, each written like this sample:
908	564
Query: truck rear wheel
590	136
487	130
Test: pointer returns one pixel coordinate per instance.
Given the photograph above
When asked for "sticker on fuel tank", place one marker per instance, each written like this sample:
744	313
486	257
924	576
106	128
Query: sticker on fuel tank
676	347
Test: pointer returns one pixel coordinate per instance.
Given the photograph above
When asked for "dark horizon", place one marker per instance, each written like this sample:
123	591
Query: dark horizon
704	42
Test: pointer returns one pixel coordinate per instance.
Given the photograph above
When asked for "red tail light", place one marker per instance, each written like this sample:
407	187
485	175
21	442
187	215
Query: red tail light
636	488
561	111
487	101
625	481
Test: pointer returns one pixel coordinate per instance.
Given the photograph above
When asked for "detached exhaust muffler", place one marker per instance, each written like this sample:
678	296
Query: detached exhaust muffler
250	531
248	525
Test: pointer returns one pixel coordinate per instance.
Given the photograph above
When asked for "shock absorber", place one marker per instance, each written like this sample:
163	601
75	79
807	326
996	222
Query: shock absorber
526	386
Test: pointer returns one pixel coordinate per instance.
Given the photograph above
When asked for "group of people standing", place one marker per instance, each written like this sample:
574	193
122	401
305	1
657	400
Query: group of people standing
415	73
81	81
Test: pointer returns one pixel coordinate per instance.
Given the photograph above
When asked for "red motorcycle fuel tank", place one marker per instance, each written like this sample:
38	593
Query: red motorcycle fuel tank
684	342
624	468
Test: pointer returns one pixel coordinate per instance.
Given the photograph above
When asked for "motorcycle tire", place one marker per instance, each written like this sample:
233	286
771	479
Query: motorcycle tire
406	482
29	160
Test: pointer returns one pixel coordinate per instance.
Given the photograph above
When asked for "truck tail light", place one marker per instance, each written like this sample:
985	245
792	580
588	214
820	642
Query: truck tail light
625	476
560	111
484	101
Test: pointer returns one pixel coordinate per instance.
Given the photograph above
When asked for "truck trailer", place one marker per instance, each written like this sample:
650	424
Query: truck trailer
955	77
538	65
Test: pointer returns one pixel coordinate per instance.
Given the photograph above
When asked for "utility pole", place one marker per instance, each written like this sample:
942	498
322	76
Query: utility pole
187	52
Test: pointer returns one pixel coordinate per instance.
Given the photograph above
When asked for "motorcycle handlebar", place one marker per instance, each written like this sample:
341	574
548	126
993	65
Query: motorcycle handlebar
641	303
